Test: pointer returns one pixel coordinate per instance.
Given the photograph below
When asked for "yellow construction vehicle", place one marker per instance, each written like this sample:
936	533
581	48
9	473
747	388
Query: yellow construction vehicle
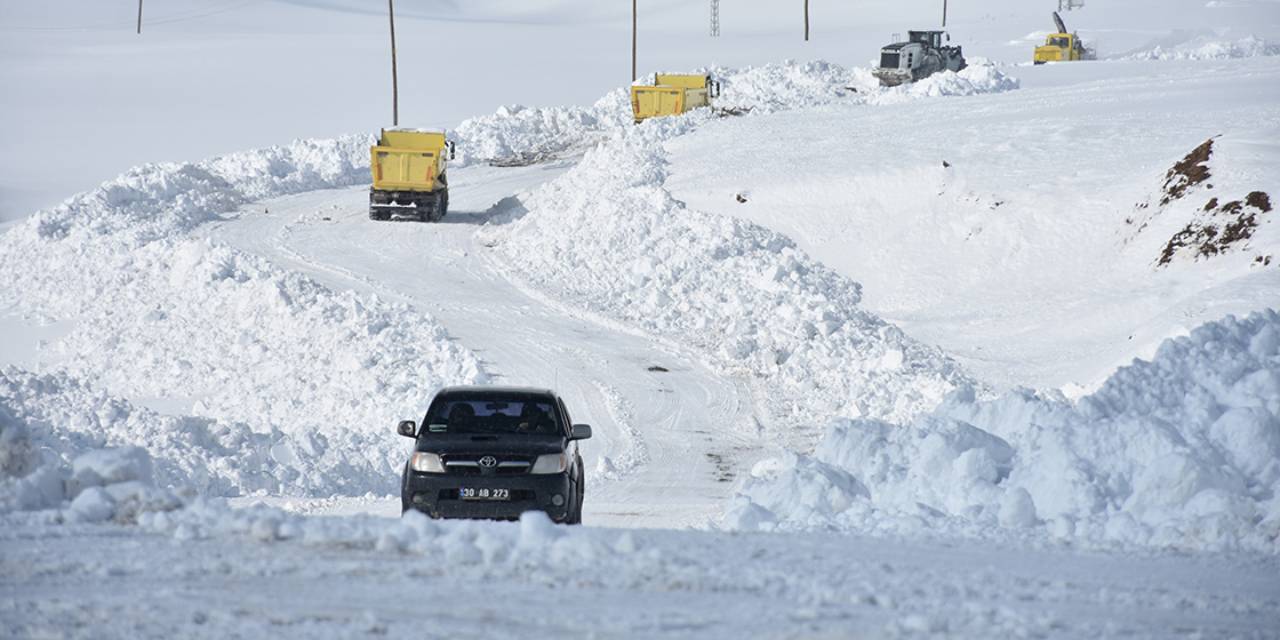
673	94
409	175
1062	46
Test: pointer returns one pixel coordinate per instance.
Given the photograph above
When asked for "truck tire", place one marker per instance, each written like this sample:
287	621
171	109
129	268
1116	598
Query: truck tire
375	211
442	204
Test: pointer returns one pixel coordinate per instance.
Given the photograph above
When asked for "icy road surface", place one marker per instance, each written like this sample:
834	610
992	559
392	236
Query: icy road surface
668	433
493	580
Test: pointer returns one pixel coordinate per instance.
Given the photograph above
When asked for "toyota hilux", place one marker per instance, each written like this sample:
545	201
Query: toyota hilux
495	452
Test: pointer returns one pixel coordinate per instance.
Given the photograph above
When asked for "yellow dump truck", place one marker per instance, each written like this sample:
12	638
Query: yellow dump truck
1061	46
673	94
409	175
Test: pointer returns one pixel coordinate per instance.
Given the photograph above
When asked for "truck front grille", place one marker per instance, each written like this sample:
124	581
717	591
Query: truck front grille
469	465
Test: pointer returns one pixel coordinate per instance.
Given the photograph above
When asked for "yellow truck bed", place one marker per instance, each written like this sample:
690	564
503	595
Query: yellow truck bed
405	160
672	94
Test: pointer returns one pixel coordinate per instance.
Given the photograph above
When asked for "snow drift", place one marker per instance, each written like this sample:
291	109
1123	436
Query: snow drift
1182	451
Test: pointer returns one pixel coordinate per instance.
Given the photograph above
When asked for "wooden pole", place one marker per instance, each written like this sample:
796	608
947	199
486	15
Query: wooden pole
806	20
395	84
634	28
139	17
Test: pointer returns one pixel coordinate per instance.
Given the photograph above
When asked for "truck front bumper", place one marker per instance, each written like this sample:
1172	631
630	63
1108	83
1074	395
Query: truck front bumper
437	495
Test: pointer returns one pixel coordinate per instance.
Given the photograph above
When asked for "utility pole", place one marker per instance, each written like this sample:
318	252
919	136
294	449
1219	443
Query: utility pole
944	13
139	17
395	83
634	25
806	20
715	18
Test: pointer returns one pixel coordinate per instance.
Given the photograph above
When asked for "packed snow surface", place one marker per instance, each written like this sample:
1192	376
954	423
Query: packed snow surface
1181	451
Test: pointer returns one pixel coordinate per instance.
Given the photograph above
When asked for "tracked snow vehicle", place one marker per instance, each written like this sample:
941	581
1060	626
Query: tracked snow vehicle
921	56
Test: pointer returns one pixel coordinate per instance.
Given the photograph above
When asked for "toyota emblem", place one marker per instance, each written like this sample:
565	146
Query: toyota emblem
488	462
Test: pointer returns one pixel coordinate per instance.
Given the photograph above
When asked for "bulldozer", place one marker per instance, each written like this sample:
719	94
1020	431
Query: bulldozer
1062	46
409	176
922	55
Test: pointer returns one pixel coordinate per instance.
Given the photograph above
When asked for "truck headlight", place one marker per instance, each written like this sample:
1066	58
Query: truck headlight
550	463
424	462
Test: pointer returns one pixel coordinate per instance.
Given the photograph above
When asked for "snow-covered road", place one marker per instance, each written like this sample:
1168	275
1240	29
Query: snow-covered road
669	432
484	580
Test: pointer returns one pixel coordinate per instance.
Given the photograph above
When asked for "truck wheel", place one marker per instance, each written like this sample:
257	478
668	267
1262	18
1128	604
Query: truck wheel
442	205
575	514
381	216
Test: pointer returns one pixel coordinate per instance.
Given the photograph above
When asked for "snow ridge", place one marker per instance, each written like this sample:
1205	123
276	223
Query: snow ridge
1182	451
520	134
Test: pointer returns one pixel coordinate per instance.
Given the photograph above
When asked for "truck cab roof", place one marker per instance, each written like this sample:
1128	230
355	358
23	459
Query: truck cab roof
481	389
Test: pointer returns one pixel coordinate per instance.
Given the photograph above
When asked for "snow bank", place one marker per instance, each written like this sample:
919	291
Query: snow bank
1182	451
1208	48
606	236
100	485
520	134
222	334
62	417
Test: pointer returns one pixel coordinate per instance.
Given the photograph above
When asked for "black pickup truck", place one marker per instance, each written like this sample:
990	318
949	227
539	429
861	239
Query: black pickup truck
495	452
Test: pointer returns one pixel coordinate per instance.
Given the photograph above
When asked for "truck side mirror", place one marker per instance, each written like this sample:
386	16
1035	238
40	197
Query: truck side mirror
408	429
581	432
453	150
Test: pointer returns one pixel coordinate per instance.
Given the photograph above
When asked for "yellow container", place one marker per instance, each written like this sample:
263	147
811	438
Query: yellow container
408	160
672	94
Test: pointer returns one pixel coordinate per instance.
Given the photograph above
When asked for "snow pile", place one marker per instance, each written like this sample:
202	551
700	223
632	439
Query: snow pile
158	200
520	134
606	236
1182	451
224	335
62	417
974	79
516	133
778	87
99	485
1208	48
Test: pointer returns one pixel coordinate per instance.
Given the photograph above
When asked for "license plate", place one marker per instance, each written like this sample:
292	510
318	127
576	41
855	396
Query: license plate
472	493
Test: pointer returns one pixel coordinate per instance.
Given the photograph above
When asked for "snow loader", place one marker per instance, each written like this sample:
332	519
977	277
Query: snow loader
673	94
1062	46
409	175
922	55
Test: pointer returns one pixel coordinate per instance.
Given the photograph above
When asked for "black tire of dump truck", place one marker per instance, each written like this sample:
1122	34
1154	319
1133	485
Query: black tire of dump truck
439	203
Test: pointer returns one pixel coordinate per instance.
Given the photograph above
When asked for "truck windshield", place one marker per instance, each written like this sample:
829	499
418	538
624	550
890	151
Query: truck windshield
1060	42
490	414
